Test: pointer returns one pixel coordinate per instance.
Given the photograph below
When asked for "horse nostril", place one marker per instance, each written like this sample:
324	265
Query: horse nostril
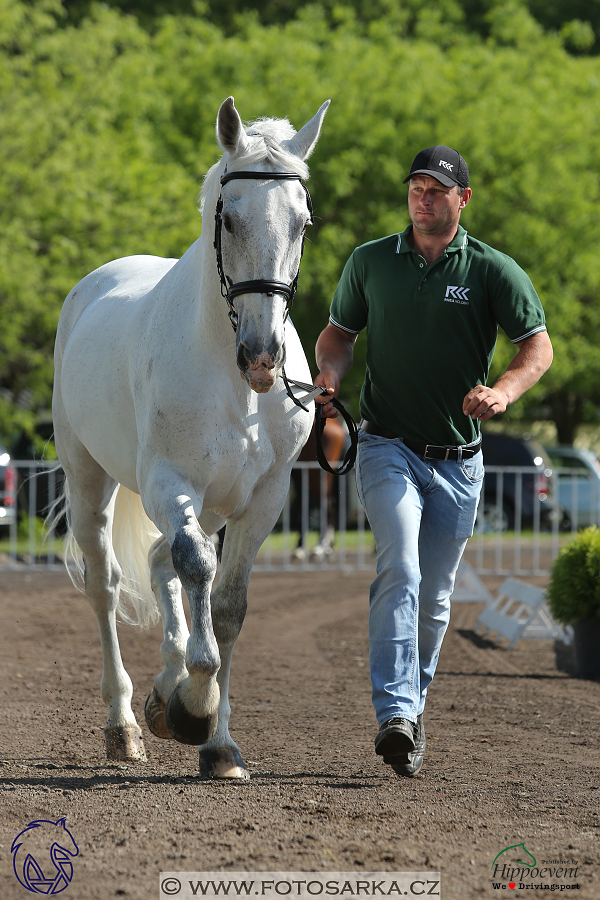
243	357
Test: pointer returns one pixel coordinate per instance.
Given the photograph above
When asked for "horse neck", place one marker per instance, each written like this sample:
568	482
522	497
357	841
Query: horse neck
199	290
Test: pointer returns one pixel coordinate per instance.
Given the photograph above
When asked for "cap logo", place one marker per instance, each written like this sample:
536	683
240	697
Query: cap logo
446	165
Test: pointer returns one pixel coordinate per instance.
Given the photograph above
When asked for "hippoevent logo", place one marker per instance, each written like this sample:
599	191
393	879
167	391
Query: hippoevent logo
516	868
42	856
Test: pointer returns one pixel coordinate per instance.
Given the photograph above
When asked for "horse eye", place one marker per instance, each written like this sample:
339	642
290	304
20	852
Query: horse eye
228	224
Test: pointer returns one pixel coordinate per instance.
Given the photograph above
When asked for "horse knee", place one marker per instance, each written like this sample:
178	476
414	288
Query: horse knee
228	615
194	556
228	605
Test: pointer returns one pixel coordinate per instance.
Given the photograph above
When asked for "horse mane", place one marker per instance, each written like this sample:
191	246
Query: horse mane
266	137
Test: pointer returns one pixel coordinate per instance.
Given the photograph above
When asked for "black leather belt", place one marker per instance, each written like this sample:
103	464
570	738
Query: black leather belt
427	451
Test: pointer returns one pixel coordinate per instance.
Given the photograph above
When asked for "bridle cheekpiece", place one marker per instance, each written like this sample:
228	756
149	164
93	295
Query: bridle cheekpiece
229	290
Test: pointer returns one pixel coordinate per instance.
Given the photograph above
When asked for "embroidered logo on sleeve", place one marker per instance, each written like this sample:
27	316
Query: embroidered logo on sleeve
456	294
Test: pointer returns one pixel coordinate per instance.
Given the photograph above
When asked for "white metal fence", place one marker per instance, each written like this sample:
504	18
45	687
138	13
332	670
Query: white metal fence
525	516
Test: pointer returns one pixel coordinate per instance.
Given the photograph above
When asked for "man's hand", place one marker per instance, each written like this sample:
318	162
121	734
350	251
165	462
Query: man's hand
484	402
329	380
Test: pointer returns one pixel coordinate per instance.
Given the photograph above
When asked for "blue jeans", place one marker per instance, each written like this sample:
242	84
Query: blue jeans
421	513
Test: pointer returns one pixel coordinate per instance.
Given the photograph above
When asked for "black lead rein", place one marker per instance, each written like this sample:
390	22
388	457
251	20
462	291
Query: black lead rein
230	291
314	391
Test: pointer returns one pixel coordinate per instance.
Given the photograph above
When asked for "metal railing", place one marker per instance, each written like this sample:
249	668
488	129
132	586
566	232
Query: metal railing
23	543
524	518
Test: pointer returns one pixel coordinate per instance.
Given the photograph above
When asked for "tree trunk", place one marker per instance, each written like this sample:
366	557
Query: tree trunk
567	412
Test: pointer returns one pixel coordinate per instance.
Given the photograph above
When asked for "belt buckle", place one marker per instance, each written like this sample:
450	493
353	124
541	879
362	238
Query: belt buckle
435	447
426	453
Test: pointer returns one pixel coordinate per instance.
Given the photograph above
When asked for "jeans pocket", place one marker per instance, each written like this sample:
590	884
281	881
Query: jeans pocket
473	468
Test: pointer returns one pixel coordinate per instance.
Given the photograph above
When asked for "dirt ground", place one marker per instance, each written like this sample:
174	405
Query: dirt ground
512	755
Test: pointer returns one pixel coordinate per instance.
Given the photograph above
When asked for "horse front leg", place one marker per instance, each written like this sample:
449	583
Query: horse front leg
220	757
167	590
192	710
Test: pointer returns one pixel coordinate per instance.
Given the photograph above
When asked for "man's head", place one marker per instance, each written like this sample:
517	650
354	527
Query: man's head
442	163
438	191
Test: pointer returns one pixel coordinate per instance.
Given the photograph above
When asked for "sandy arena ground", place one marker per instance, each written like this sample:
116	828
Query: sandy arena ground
513	751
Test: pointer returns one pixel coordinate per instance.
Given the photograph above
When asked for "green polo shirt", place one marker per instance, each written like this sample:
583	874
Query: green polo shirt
431	330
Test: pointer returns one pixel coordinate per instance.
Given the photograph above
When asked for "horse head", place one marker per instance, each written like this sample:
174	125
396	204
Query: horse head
261	221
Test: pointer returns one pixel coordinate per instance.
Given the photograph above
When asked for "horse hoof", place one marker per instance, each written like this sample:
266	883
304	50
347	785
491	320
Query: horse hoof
224	763
299	555
320	554
154	711
124	743
185	728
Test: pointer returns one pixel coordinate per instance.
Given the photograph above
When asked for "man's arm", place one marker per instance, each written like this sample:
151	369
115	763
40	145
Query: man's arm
532	360
334	354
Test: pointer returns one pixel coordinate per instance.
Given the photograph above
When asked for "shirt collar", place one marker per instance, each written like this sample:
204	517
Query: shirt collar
459	241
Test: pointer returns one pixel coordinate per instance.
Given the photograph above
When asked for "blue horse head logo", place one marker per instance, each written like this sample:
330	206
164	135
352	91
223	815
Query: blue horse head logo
42	856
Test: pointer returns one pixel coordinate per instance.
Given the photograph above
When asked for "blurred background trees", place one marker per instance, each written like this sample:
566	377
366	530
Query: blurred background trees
107	118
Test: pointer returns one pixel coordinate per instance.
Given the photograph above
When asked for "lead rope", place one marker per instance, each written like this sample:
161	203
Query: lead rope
350	457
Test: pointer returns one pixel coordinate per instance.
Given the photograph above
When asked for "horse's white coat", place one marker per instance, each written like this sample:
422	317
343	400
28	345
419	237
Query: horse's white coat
148	396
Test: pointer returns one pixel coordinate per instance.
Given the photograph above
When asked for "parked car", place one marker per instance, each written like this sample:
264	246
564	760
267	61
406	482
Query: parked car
499	513
8	488
578	485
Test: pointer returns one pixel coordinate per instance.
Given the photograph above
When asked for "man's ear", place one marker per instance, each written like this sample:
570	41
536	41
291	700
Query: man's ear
466	196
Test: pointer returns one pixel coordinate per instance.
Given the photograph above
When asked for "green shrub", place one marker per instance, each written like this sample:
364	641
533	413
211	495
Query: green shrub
574	589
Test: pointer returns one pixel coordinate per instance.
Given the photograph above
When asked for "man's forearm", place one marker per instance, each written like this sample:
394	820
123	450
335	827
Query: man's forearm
532	360
528	366
334	352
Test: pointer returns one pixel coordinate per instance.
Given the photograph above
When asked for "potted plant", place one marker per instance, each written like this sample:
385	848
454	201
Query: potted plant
574	598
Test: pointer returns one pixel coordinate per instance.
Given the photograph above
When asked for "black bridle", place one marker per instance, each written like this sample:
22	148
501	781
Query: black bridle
229	290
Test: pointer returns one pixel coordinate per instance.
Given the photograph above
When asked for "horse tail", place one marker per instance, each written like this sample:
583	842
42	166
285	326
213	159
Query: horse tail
132	537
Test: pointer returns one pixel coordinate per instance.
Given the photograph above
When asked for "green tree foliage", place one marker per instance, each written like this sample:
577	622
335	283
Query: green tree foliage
578	21
108	129
83	179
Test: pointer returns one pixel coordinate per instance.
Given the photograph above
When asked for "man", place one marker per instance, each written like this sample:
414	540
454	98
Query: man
431	299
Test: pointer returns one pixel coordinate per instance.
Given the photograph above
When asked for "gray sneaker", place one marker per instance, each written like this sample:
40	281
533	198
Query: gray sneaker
396	737
409	765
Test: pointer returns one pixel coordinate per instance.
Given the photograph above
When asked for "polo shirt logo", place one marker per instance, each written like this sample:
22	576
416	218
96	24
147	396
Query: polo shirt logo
456	294
446	165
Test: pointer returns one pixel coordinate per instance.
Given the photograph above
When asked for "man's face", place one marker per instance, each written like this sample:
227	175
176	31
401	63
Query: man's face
433	207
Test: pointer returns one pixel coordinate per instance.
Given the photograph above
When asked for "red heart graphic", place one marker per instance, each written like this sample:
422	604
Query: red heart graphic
512	884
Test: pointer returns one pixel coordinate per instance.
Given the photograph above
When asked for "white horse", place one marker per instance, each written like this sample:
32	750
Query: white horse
168	424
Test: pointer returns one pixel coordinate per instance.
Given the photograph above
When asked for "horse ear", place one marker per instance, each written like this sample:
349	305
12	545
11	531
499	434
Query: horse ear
230	130
303	143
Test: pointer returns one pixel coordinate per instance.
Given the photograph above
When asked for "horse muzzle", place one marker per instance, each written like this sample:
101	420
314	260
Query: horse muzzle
260	371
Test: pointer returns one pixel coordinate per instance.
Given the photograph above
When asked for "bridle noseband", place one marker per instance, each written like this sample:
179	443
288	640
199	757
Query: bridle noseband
229	290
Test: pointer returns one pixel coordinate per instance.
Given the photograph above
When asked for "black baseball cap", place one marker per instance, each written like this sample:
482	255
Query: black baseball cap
442	163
